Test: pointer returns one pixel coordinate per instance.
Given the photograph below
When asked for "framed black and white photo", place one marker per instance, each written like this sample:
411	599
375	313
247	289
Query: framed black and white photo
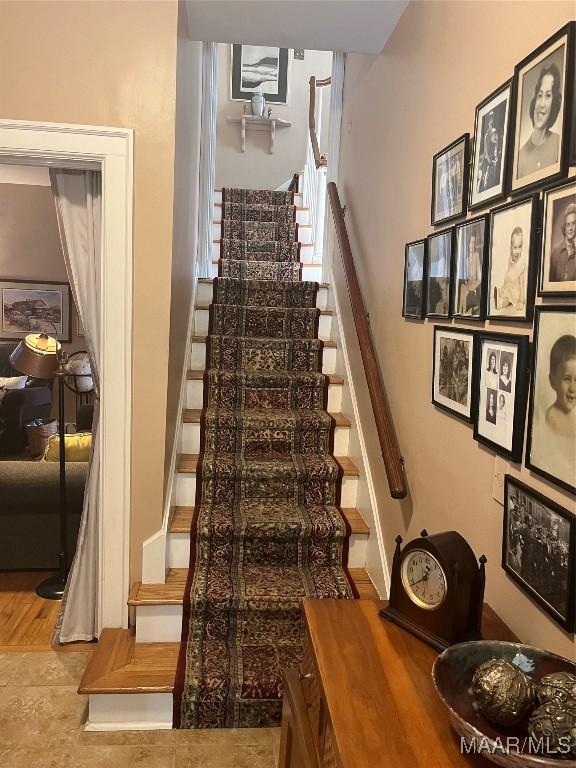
438	273
543	93
468	282
558	255
512	260
539	550
452	375
501	392
414	265
489	175
29	306
259	69
551	445
450	181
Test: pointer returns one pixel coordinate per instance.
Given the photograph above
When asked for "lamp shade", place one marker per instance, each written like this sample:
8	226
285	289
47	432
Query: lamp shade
37	355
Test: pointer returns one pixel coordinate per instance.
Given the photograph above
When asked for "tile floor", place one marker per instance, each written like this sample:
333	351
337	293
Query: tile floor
41	717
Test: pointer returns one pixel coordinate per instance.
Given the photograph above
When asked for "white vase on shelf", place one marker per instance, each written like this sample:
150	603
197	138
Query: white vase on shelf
258	105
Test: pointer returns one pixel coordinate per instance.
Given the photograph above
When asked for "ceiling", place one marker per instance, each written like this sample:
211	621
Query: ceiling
359	26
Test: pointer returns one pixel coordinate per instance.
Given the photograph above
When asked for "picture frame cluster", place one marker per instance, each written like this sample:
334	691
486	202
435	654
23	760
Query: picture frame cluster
510	203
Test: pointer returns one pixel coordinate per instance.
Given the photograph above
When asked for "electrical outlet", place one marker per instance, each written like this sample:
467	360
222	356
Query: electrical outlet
299	54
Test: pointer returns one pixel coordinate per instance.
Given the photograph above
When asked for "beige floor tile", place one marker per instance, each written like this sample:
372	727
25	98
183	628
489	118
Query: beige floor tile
224	736
123	757
41	734
126	738
32	758
9	663
232	756
61	706
50	668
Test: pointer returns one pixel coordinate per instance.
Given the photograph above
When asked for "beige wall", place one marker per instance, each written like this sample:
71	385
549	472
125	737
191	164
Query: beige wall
256	168
399	109
114	63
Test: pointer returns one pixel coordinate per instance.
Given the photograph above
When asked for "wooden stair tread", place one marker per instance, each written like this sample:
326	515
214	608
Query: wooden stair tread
363	584
188	462
211	280
182	520
216	241
298	207
322	311
328	343
198	375
192	416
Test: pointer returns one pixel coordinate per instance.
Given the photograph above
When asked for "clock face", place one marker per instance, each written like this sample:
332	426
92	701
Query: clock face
423	579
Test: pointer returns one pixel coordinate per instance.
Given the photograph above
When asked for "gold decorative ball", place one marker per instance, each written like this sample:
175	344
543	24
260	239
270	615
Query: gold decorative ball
553	725
559	686
502	692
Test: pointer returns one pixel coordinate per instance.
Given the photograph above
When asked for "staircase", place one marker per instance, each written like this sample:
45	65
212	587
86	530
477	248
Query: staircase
131	677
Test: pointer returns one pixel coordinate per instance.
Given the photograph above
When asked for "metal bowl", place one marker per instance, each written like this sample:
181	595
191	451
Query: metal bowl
452	674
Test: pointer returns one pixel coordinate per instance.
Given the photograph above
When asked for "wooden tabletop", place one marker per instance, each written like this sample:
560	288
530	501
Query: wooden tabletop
378	686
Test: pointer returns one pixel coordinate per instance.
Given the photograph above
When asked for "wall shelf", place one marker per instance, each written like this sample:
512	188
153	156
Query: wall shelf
251	123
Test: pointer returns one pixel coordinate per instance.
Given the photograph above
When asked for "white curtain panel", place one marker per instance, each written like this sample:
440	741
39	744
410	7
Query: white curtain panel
78	198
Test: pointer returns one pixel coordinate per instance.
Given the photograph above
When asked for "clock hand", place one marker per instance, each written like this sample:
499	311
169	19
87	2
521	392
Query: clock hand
424	578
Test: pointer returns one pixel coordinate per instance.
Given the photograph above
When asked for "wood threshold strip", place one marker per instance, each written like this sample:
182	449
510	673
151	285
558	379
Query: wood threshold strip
188	462
393	461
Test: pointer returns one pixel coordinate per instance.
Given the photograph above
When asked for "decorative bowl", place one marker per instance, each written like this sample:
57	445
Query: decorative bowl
452	674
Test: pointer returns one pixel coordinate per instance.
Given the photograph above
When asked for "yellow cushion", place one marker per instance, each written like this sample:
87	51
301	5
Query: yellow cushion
77	447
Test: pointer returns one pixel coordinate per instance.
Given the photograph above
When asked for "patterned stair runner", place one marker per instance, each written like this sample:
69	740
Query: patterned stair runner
267	531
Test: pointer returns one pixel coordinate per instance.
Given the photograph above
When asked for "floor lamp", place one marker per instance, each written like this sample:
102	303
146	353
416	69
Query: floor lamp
41	356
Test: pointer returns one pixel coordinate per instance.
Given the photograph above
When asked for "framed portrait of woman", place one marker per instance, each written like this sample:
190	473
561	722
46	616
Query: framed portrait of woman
501	392
468	282
543	94
551	444
489	175
414	267
510	268
450	181
438	273
558	254
453	374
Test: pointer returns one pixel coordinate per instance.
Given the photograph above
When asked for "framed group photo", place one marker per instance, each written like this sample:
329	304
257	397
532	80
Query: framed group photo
31	306
450	181
468	282
558	259
438	273
489	175
453	373
259	69
551	444
544	84
414	266
512	260
539	550
501	393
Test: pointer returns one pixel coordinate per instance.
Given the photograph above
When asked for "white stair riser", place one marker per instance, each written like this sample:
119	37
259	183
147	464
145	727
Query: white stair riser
202	317
311	272
191	439
306	251
195	395
155	623
205	295
298	197
302	216
304	233
129	712
186	490
198	358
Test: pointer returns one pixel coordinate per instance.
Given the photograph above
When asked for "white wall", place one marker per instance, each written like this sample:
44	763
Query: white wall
256	168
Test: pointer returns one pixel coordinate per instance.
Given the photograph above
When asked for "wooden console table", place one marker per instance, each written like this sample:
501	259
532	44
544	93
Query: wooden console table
364	696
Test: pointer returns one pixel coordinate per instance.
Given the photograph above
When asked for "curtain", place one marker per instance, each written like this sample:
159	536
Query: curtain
78	198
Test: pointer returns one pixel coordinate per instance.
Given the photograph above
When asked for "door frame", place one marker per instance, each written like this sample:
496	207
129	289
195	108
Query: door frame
109	150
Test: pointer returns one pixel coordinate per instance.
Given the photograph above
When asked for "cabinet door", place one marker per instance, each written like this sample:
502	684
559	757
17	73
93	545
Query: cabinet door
313	695
329	759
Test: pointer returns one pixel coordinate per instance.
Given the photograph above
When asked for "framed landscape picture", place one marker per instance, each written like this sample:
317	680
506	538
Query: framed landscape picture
35	307
512	260
414	265
450	181
438	273
543	93
469	260
489	175
558	255
501	392
259	69
452	375
539	550
551	445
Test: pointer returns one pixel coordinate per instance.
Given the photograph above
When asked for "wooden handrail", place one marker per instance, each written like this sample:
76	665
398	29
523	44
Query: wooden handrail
393	461
324	83
319	159
293	186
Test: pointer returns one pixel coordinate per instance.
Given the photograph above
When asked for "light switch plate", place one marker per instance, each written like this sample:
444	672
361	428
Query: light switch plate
299	54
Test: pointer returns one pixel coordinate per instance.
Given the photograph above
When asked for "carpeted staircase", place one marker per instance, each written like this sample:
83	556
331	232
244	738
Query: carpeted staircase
267	531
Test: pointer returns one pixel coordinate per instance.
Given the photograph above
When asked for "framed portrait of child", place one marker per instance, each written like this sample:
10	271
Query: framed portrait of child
551	446
558	258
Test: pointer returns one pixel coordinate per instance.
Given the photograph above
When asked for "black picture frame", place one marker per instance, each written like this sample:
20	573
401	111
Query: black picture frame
412	307
41	324
433	281
237	93
476	296
505	241
445	400
521	549
502	433
524	155
459	208
482	166
554	465
550	196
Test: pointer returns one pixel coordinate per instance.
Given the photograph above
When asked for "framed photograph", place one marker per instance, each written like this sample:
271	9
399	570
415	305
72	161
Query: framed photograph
450	181
414	265
259	69
558	259
29	306
438	273
453	371
489	175
469	260
512	260
539	550
501	392
543	93
551	445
